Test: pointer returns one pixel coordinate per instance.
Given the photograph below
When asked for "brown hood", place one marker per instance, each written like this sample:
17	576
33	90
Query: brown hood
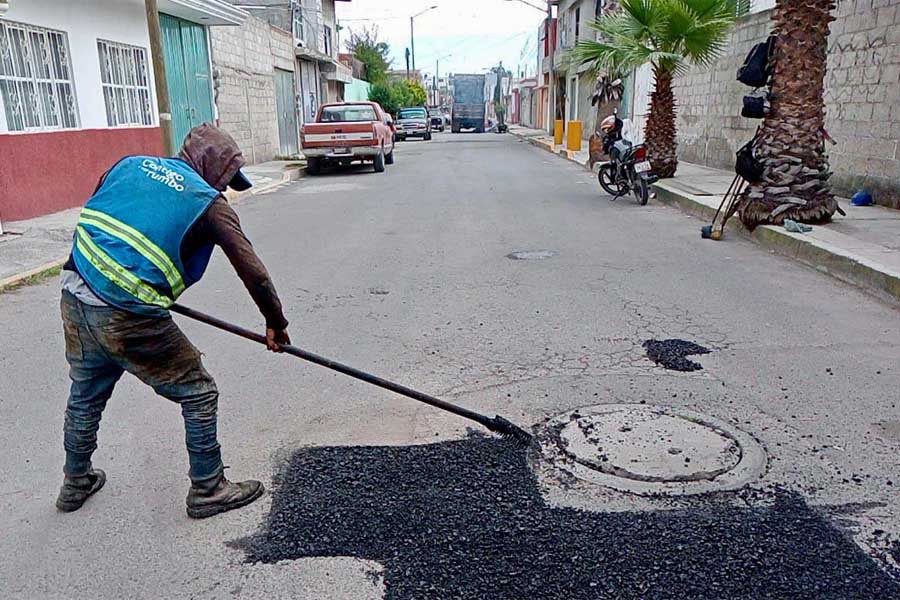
212	153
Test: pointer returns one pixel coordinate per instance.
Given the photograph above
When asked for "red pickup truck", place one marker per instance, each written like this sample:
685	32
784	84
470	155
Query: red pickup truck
348	131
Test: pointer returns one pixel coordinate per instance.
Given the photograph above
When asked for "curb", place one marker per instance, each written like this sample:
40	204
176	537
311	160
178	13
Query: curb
881	280
17	280
287	175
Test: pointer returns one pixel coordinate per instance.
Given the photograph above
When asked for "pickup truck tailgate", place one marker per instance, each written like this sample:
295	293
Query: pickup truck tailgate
336	135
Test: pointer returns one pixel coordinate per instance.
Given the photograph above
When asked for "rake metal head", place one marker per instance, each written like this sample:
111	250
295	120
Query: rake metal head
510	431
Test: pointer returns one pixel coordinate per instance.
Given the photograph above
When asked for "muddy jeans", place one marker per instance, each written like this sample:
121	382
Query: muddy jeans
104	342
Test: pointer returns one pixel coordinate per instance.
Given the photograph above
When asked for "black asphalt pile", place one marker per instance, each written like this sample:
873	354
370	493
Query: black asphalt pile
672	354
464	519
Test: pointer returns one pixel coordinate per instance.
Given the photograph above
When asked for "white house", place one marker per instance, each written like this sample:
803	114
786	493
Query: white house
77	91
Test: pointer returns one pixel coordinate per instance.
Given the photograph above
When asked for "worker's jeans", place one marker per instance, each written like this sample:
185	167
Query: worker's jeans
104	342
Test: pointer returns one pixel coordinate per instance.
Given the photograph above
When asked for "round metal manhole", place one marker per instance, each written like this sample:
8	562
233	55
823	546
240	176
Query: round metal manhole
652	449
532	254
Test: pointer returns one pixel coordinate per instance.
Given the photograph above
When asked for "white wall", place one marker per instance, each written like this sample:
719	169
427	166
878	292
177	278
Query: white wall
86	21
761	5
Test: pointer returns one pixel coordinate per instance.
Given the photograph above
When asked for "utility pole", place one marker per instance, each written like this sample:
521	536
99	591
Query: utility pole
407	64
159	75
551	108
412	42
412	35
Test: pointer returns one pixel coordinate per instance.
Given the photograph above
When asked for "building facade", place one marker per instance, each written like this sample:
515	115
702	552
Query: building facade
318	75
255	88
77	91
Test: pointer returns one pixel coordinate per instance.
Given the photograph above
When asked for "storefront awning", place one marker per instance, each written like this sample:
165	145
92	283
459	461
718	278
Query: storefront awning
204	12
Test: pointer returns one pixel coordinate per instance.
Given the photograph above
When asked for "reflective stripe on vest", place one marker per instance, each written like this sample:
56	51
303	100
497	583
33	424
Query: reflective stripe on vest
117	274
138	242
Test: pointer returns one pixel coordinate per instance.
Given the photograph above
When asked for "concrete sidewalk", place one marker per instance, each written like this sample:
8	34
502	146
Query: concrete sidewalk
38	246
543	140
862	248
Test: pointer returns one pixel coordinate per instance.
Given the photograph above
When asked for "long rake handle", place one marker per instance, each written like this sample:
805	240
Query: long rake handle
335	366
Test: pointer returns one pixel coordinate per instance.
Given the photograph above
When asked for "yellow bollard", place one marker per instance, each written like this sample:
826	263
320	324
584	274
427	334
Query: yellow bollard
558	129
573	136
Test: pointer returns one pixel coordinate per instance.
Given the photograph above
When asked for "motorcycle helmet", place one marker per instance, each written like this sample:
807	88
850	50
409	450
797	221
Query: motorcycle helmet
608	124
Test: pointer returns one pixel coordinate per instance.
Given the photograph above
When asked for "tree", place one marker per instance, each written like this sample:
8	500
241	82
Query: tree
398	94
791	145
374	54
411	93
385	94
668	35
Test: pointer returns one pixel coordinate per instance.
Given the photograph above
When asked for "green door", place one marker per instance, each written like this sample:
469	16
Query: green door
188	74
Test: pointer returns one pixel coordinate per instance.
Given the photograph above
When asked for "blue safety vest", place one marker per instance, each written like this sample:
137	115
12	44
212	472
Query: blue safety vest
128	239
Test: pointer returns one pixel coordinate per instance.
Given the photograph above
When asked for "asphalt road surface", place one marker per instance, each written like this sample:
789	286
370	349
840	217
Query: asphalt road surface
406	274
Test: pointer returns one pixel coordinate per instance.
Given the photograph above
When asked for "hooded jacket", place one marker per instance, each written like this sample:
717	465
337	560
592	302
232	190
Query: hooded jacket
215	156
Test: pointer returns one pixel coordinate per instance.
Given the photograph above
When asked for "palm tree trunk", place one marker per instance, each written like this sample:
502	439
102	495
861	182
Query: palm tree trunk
660	132
791	144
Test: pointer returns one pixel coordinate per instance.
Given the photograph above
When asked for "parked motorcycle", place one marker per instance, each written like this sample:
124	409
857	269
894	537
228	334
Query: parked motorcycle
628	170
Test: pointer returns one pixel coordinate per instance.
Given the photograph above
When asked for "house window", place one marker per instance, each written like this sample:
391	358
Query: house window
327	31
126	84
299	23
743	7
577	23
36	78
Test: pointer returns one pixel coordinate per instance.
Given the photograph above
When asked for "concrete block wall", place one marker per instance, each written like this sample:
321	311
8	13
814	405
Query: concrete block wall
862	94
244	60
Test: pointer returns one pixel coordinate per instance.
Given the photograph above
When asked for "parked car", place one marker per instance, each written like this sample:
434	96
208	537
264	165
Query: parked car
413	122
345	132
437	119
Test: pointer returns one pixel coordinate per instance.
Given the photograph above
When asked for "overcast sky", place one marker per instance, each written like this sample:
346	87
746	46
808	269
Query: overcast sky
467	36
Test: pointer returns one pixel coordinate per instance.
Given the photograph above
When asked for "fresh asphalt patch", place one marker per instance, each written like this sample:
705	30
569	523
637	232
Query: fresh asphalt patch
465	519
672	354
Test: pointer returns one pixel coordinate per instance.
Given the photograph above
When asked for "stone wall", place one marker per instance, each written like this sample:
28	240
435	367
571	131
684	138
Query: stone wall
862	92
244	59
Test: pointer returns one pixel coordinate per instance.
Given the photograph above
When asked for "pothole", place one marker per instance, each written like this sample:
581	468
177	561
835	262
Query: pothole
651	450
532	254
672	354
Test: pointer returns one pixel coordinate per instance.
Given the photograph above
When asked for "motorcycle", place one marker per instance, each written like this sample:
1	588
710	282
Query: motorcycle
628	170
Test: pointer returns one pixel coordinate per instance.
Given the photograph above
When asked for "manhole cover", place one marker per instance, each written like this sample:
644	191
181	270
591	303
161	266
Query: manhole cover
532	254
652	449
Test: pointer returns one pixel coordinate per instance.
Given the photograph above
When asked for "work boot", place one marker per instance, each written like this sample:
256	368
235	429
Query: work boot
76	490
207	500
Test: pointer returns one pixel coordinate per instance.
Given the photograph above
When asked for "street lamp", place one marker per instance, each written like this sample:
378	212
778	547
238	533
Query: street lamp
535	6
412	36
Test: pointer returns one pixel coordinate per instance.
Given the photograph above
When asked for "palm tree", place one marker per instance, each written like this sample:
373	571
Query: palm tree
791	145
669	35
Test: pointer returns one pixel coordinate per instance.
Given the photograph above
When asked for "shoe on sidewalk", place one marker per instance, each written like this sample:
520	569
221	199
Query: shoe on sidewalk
76	490
203	502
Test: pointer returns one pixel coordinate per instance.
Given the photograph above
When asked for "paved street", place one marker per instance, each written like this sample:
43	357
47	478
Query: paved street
406	274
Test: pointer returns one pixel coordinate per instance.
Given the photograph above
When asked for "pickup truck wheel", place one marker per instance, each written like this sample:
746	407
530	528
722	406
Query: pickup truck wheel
389	157
313	166
379	162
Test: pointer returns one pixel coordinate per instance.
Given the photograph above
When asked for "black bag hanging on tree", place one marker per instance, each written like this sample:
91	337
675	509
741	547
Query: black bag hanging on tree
757	67
746	164
755	107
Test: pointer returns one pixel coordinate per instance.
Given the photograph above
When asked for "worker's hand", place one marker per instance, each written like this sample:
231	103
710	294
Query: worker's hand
276	338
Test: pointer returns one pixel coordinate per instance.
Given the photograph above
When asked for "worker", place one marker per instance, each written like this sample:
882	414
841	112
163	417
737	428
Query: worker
146	235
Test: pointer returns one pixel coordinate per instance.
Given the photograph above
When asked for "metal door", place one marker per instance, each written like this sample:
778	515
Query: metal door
309	91
287	113
188	74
